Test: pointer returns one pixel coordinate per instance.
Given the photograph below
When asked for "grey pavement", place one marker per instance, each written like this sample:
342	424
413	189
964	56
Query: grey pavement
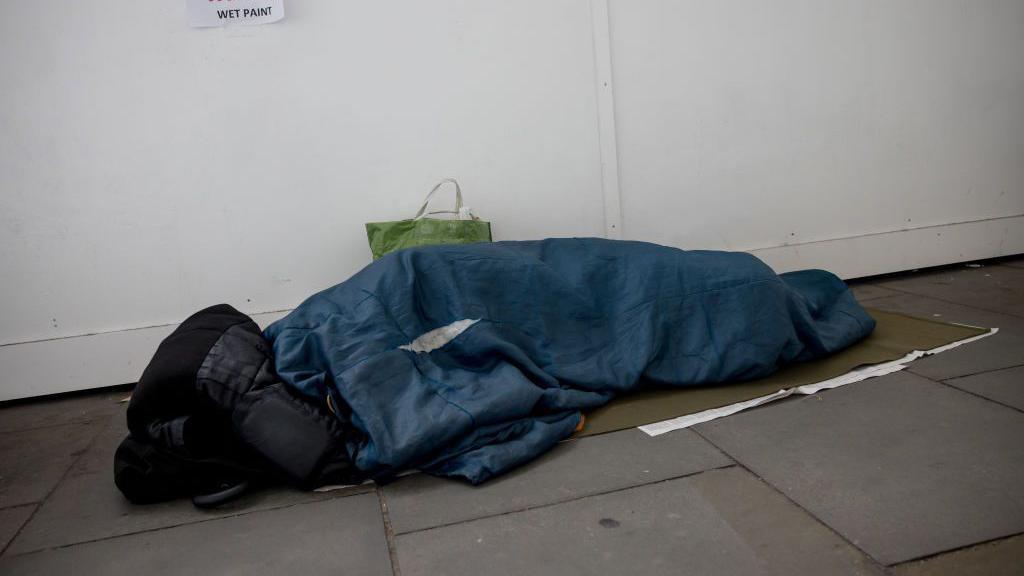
916	473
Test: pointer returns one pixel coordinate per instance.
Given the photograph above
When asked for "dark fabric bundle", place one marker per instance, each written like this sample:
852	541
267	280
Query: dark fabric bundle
209	415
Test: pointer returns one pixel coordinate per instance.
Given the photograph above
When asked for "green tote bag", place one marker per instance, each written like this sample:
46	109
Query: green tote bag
387	237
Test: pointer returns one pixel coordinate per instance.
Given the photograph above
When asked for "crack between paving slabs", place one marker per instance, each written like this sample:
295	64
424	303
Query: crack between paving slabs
39	504
549	504
871	559
389	532
989	310
972	393
189	523
934	555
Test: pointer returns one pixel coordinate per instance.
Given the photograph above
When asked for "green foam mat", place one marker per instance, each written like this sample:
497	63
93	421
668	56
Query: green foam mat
895	336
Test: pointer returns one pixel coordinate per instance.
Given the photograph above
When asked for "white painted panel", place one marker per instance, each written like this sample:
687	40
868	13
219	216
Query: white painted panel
747	125
149	169
84	362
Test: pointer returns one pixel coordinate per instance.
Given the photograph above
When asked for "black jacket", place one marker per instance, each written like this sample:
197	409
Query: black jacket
209	412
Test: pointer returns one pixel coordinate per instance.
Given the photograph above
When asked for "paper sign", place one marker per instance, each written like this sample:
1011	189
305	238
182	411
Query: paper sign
202	13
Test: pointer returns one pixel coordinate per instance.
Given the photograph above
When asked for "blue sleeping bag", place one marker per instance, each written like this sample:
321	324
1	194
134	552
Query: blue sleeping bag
536	332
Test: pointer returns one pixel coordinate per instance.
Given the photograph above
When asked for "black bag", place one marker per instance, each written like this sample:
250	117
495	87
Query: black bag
146	473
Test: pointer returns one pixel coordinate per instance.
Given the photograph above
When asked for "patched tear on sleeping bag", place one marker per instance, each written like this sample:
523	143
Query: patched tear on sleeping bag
470	360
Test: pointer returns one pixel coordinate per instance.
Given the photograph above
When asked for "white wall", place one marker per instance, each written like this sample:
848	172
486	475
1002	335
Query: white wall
148	169
814	133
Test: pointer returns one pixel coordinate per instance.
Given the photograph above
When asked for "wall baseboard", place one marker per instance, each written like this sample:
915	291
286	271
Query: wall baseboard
885	252
84	362
112	358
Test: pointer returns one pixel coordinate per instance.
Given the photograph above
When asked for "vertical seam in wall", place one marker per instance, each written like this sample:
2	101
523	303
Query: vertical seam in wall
606	137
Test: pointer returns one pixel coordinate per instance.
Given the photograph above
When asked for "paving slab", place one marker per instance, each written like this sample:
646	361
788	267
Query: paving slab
865	291
572	469
11	520
1003	350
999	558
1005	386
87	505
35	460
79	408
340	536
719	522
995	288
901	466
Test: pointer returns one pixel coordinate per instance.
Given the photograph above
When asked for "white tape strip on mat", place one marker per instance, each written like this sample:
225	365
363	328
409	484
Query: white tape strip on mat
855	375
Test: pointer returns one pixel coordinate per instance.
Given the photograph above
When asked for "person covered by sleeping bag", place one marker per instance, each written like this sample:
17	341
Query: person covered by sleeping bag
470	360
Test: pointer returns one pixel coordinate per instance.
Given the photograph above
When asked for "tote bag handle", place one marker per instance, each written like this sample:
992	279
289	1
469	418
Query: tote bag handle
458	200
